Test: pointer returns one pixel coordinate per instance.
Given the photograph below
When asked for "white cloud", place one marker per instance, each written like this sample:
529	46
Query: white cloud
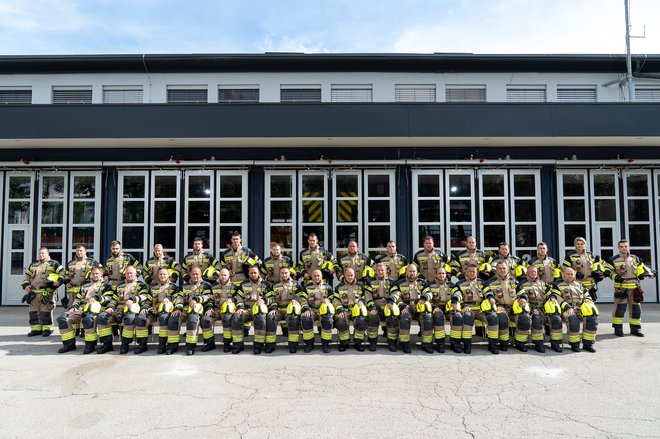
40	16
286	43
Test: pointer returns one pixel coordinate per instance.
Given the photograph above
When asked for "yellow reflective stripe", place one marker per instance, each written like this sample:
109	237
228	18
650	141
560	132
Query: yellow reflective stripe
521	337
271	338
617	320
191	339
173	338
128	333
493	333
537	336
91	336
427	338
294	337
67	335
455	333
589	336
142	333
237	337
105	331
162	331
404	338
439	334
207	333
226	333
556	336
573	338
308	335
36	327
326	336
259	338
632	321
465	335
504	336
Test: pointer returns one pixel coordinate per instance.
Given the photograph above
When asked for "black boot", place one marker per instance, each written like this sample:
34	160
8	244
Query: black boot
343	345
636	332
125	342
115	330
238	347
325	347
162	345
588	346
359	346
246	331
34	333
406	347
521	346
479	331
68	346
90	346
257	348
80	333
270	347
455	344
171	348
428	348
285	332
556	346
293	347
190	348
384	331
226	346
309	345
391	345
373	344
46	333
539	347
618	330
440	345
492	346
467	346
575	347
105	347
504	345
208	346
141	347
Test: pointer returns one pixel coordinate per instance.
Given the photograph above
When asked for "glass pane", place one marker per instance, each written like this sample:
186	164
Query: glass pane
638	210
604	185
52	237
428	185
345	234
312	211
52	187
433	231
201	231
165	186
199	212
320	232
230	211
493	235
524	185
378	211
493	210
378	236
20	187
225	235
429	211
283	235
55	255
574	210
17	264
280	212
52	212
458	233
526	235
606	243
644	255
638	185
83	212
134	186
460	211
17	240
312	185
493	185
605	210
231	186
133	237
347	185
639	234
347	211
19	212
165	235
84	186
133	212
83	236
379	185
460	186
573	185
165	212
199	186
525	210
573	231
280	186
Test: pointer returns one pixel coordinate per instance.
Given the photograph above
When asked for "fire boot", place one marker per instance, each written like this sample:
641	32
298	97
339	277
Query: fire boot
588	346
68	346
373	344
208	346
257	348
325	346
105	347
575	347
455	344
125	342
539	347
618	330
391	345
343	345
504	345
440	345
270	347
359	346
521	346
238	347
406	347
90	346
309	345
171	348
141	347
427	347
492	346
467	346
556	346
226	346
162	345
190	348
637	332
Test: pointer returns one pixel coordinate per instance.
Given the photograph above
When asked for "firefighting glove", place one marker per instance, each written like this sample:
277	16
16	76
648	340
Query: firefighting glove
45	298
618	278
579	275
65	302
593	292
27	298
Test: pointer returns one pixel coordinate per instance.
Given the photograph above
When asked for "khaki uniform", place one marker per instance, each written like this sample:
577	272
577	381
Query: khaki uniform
153	266
41	299
442	296
533	317
573	296
585	265
203	260
221	311
548	269
344	300
477	257
376	293
270	269
428	263
505	293
360	263
138	292
396	265
278	300
202	293
238	261
77	273
247	296
626	271
114	267
317	259
406	294
312	297
156	314
470	295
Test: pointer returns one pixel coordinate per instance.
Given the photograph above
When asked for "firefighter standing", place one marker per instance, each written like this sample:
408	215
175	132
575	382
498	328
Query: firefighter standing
41	280
395	262
359	262
428	260
587	267
515	264
548	268
198	257
238	259
316	307
471	256
315	257
116	264
158	261
270	268
77	273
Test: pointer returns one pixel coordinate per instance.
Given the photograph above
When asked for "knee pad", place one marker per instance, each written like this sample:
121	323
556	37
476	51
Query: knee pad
129	319
173	323
192	322
163	318
307	323
102	319
427	322
237	322
61	321
206	322
326	322
293	322
635	311
467	318
438	319
591	323
88	322
341	325
360	324
271	324
392	322
141	321
226	320
573	323
492	319
46	318
620	310
405	321
524	322
373	321
537	322
555	321
503	320
259	323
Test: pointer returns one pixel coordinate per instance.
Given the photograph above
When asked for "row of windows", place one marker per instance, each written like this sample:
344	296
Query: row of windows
312	93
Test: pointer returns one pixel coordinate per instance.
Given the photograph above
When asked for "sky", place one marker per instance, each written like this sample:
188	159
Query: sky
60	27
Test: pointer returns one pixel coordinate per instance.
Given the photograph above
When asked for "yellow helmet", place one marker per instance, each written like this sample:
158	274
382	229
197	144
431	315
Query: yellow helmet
293	308
518	308
425	306
199	308
551	307
486	306
326	308
228	307
165	307
259	309
135	308
51	278
395	311
359	310
588	309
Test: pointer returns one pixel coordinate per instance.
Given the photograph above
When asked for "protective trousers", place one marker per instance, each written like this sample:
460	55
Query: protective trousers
620	306
41	314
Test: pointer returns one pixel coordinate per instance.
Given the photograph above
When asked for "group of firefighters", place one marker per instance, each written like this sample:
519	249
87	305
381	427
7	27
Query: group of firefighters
498	297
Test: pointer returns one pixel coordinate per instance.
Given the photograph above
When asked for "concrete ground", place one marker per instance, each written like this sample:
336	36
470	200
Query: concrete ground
612	393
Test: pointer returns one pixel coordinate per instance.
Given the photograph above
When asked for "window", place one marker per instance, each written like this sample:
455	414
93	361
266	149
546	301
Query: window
122	94
379	212
525	93
281	211
352	93
414	93
15	95
647	93
465	93
72	95
576	93
229	94
132	212
300	93
187	94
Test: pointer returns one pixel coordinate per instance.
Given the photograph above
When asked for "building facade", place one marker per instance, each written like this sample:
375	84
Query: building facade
164	148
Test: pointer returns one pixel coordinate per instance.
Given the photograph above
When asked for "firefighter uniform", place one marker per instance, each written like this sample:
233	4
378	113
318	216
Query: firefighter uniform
201	292
348	301
316	259
158	313
504	291
223	311
359	262
565	296
530	315
627	271
76	273
282	309
408	295
270	268
41	277
515	264
428	262
247	296
203	260
313	299
238	261
153	266
548	268
477	257
376	292
470	296
442	297
82	311
114	267
588	270
396	265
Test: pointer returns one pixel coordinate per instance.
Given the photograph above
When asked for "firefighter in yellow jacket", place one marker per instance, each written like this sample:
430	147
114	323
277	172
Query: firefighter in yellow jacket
548	268
88	303
315	257
442	293
361	264
316	306
396	263
471	256
224	292
116	264
627	270
588	268
156	262
284	306
412	297
163	294
350	309
270	268
428	259
503	290
570	299
528	308
250	307
76	273
41	280
376	292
